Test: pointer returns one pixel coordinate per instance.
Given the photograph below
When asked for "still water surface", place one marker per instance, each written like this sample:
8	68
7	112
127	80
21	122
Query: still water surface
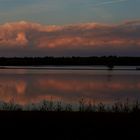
31	85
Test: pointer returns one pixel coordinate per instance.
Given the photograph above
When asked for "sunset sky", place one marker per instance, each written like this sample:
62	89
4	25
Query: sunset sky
69	27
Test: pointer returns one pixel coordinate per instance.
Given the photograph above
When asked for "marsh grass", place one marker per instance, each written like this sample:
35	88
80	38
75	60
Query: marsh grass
11	105
83	106
47	106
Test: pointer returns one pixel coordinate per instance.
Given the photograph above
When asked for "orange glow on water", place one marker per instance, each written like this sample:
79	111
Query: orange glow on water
68	88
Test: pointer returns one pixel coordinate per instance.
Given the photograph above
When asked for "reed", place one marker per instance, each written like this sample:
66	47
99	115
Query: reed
83	106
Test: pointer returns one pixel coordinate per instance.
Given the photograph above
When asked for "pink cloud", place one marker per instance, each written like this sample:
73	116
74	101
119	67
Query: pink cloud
87	35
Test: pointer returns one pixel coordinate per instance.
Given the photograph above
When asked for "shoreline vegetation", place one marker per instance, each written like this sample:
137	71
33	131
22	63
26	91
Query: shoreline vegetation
89	121
81	106
109	61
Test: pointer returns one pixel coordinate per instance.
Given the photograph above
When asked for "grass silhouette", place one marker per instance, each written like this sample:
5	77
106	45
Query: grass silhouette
83	106
90	119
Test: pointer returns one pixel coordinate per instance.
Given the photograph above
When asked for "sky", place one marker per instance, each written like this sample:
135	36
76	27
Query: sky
69	27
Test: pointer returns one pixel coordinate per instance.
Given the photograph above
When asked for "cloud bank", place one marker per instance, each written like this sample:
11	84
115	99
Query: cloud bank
79	39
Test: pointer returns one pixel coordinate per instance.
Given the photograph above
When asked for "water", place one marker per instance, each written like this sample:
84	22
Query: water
69	84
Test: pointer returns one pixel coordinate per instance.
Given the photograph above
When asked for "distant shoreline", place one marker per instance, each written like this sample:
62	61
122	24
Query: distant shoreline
109	61
69	68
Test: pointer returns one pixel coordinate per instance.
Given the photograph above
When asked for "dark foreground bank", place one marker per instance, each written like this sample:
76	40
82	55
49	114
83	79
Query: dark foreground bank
73	123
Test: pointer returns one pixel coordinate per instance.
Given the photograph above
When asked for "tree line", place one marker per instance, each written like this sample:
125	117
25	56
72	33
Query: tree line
75	61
